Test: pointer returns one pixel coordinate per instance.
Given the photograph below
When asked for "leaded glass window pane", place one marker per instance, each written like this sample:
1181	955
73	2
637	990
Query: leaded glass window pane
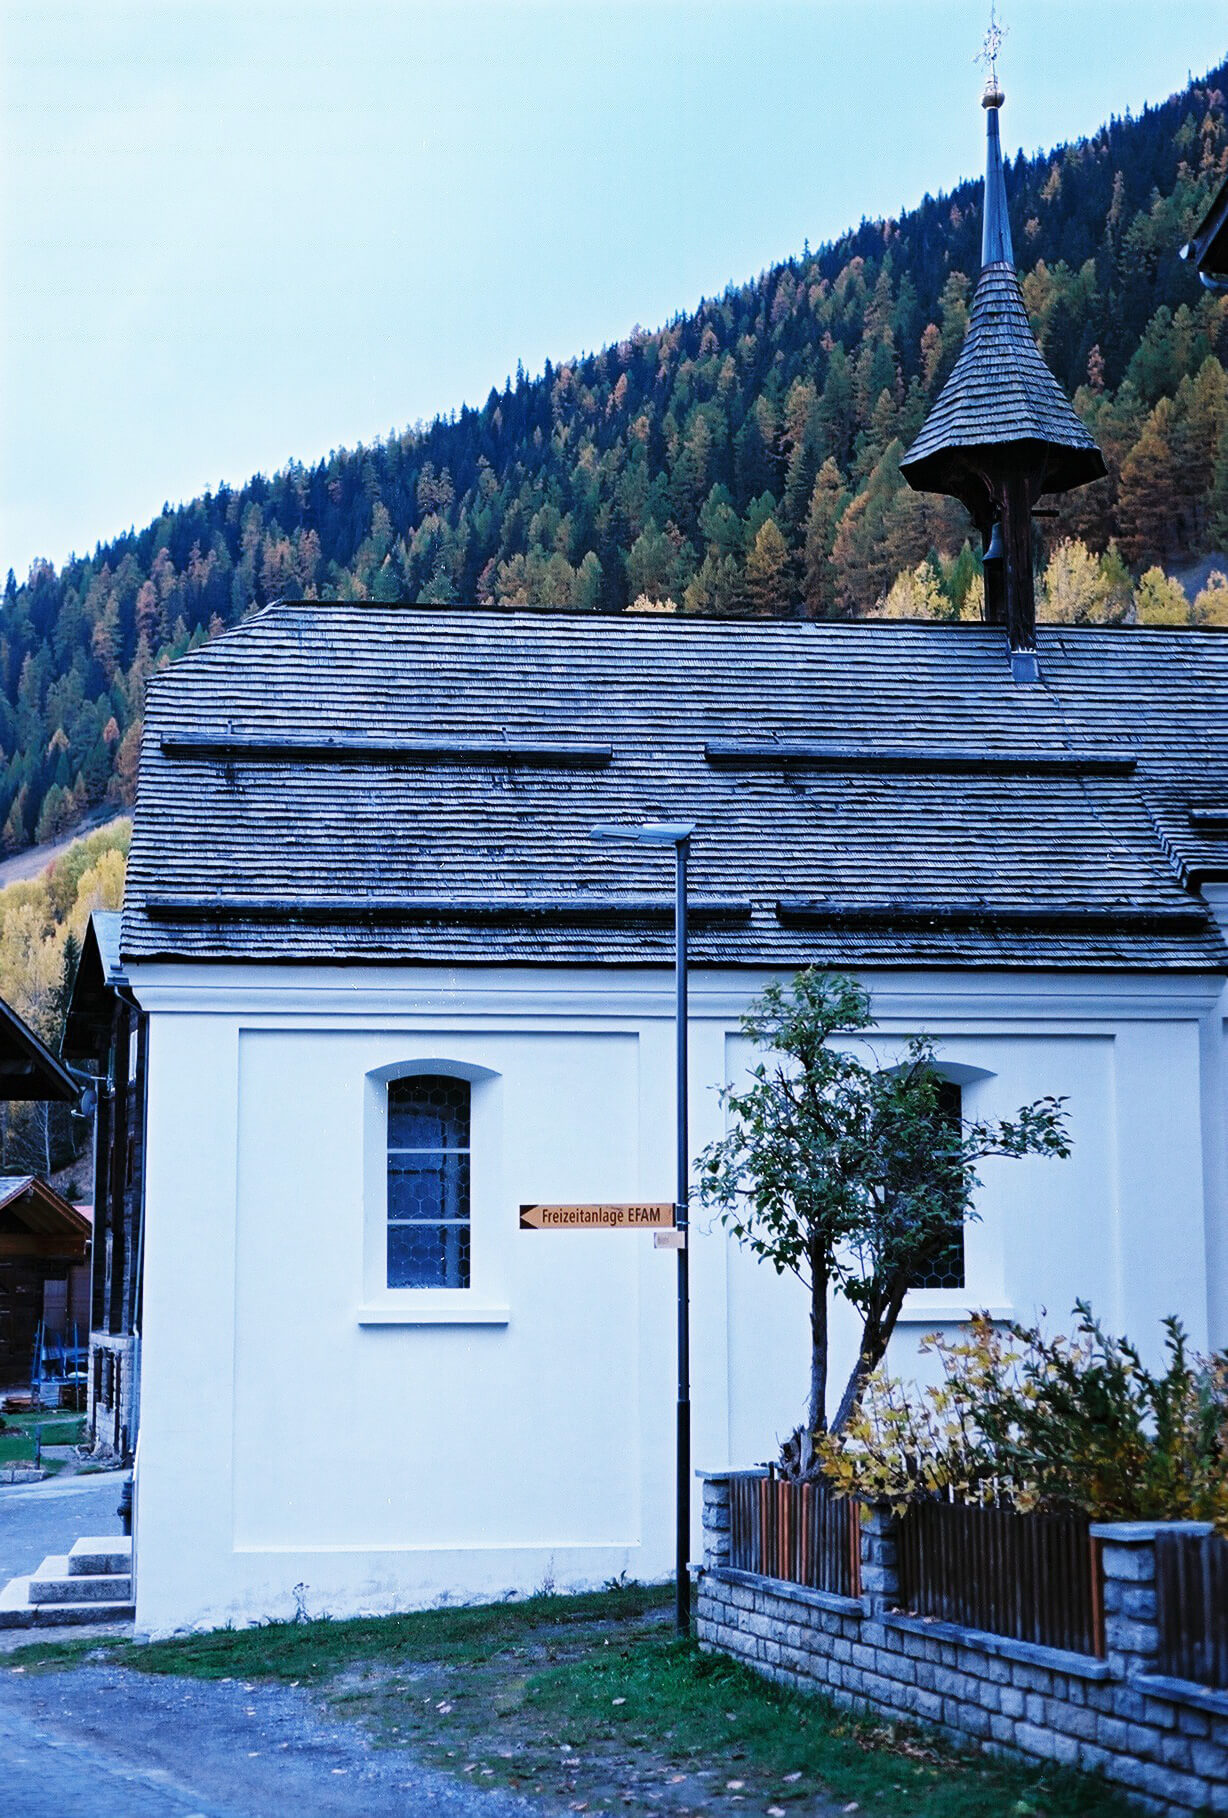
428	1256
428	1113
428	1183
945	1268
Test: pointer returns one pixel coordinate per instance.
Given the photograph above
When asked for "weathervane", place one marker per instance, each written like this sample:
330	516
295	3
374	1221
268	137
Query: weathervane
988	55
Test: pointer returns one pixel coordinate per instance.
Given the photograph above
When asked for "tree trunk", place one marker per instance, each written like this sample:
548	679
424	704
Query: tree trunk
879	1324
797	1453
818	1345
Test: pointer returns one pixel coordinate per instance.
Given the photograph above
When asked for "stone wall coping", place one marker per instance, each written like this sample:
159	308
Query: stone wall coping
1136	1533
724	1476
1005	1647
1182	1691
784	1588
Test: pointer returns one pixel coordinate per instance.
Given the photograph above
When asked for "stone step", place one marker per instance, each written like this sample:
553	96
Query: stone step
68	1615
100	1556
54	1583
16	1610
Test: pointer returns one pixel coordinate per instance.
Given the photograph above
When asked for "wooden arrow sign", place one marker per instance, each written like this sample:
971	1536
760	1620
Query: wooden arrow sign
658	1216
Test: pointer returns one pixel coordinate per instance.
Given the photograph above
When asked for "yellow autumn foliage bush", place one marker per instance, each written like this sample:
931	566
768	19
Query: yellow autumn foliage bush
1032	1421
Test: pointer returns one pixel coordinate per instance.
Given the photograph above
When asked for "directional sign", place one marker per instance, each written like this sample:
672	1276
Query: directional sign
644	1217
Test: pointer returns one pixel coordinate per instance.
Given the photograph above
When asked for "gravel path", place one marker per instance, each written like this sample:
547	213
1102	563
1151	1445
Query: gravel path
101	1742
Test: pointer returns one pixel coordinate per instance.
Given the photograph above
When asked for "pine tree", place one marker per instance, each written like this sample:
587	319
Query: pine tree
827	505
1201	408
1149	504
769	571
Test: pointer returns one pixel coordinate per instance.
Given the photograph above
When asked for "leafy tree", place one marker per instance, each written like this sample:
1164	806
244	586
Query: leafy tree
1211	605
1159	601
848	1174
1079	589
42	924
918	593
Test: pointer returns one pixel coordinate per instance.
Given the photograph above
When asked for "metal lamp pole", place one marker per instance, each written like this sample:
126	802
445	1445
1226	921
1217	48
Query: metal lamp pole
677	835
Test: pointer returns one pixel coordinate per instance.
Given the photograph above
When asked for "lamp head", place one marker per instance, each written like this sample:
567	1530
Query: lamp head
648	833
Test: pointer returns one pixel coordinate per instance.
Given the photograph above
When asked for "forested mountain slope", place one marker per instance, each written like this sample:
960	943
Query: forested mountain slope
744	457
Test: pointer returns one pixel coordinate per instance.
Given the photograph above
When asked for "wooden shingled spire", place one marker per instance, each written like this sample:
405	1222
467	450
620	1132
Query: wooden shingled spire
1002	431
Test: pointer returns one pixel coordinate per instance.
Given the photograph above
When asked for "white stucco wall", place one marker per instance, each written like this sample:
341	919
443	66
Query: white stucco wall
303	1427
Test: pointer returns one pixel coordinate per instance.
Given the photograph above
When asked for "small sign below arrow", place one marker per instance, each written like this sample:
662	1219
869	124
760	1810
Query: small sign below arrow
656	1216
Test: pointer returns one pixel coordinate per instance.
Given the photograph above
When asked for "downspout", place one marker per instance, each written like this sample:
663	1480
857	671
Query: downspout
124	993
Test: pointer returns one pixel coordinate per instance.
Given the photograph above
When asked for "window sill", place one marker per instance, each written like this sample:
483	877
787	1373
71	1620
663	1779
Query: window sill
949	1309
460	1313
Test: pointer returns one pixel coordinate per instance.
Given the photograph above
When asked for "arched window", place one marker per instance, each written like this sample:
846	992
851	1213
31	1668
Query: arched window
428	1182
946	1267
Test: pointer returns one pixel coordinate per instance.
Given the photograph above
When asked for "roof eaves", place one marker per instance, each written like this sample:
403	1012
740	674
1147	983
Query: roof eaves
1207	247
29	1071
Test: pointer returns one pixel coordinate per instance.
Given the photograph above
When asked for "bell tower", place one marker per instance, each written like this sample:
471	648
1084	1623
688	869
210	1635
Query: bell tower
1002	431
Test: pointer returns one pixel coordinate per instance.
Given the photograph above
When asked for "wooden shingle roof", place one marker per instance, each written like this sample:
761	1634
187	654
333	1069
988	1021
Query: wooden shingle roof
1001	392
350	781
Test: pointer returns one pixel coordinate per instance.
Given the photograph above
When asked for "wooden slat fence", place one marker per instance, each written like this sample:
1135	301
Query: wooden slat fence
1192	1607
1033	1577
797	1531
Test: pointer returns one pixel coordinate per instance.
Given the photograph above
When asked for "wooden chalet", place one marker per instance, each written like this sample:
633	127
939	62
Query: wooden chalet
42	1237
44	1249
104	1035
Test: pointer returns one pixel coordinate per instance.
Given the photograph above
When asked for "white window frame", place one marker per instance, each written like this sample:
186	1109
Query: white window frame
484	1301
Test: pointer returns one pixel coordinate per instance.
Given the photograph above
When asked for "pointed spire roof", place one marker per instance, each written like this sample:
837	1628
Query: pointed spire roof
996	248
1001	394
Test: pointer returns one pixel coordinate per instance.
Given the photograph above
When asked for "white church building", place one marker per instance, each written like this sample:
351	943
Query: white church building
394	991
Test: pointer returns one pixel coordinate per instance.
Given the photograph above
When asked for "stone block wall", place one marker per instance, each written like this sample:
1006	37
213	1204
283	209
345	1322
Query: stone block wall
112	1411
1163	1740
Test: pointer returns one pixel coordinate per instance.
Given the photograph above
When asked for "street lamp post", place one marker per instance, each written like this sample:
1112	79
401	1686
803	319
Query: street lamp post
678	835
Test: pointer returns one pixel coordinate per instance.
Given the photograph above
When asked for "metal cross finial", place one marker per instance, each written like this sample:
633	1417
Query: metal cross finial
988	53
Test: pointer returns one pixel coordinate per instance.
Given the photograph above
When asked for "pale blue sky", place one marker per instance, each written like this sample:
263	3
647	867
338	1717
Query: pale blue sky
235	233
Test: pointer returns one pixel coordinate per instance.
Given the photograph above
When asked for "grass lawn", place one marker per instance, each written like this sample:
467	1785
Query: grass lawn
17	1437
594	1705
